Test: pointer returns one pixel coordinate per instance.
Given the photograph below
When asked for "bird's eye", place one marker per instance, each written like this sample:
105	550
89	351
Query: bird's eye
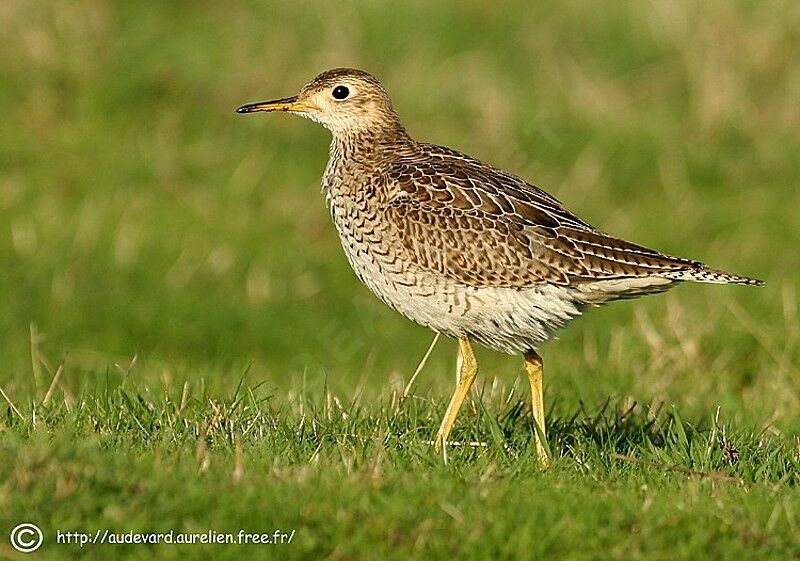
340	92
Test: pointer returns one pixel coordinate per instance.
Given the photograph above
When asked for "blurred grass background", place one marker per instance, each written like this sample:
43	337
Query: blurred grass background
165	250
140	216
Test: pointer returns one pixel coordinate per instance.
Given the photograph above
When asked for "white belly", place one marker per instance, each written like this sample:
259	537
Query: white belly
505	319
510	320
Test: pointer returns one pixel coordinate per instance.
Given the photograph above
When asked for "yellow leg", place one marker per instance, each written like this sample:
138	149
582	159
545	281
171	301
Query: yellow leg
534	369
468	370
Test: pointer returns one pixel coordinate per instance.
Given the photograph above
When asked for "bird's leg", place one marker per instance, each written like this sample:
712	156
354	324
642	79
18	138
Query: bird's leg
467	371
535	370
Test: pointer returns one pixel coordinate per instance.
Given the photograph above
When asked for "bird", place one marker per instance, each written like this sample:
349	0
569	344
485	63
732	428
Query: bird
462	247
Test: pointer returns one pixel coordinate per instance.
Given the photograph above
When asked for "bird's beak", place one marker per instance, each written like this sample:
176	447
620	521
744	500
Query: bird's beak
290	104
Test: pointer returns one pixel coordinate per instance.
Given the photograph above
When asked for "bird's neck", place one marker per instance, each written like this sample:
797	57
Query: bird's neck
367	144
371	137
355	161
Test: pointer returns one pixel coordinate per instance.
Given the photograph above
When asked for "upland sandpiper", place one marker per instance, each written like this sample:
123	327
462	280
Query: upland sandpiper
461	247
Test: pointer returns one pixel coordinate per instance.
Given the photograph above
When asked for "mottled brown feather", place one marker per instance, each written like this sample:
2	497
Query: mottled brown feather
458	217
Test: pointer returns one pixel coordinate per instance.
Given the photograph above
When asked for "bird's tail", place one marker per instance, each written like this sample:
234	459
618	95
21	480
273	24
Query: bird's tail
701	273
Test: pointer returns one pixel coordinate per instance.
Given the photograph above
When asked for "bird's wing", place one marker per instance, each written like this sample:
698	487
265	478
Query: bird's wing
455	216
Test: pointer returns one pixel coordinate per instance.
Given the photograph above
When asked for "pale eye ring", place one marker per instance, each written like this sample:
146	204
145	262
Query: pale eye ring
340	92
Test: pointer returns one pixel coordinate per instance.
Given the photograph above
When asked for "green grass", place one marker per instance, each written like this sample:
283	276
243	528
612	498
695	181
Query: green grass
221	368
360	480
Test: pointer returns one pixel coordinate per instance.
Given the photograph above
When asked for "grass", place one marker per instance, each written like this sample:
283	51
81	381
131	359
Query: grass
217	366
360	480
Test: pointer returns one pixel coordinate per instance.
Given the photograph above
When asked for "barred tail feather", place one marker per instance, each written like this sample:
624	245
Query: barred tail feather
702	273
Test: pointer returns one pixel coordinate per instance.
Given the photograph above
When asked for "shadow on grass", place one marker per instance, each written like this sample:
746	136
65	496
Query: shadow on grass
649	437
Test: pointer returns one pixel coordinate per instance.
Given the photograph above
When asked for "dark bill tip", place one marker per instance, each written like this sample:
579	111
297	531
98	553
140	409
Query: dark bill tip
283	104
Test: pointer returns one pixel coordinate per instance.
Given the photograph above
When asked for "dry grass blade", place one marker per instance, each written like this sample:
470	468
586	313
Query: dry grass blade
53	384
420	366
11	403
36	367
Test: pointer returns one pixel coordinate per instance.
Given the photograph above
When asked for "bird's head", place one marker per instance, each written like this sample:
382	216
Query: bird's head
346	101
